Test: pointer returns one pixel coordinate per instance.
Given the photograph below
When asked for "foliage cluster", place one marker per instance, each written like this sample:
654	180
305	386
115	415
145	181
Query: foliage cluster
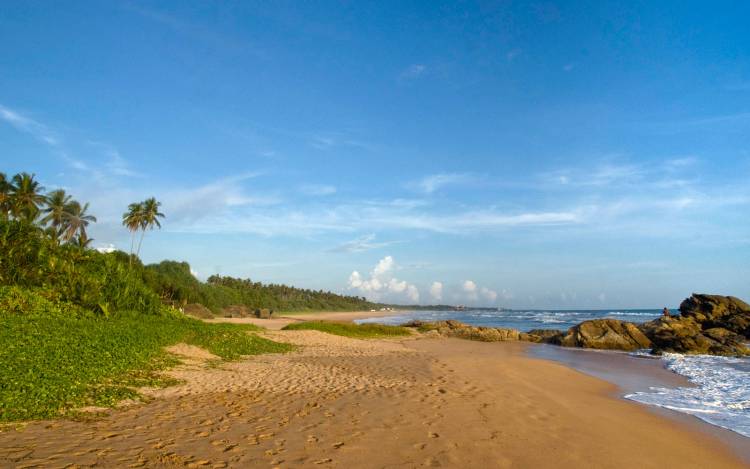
52	362
86	278
174	281
64	219
347	329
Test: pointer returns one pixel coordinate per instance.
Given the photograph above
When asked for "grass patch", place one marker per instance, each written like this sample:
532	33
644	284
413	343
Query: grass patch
347	329
51	364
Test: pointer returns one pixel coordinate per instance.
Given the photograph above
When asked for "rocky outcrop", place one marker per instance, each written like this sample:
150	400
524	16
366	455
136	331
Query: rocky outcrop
605	334
263	313
238	311
460	330
712	311
546	336
709	324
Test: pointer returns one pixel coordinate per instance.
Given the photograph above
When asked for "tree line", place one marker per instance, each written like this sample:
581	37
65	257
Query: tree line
45	246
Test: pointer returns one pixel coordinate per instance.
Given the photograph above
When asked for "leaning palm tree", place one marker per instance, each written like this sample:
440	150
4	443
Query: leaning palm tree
58	203
132	220
25	197
75	221
150	218
5	187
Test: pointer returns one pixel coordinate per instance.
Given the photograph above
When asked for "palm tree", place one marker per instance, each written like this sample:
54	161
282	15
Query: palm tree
75	221
132	220
58	203
82	240
150	217
25	197
4	197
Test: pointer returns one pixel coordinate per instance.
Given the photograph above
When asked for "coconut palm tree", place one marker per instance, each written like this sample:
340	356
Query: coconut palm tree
82	240
58	203
25	197
75	221
132	220
150	218
4	197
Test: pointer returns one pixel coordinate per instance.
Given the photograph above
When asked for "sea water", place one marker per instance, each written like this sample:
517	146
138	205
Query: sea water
721	391
523	320
721	395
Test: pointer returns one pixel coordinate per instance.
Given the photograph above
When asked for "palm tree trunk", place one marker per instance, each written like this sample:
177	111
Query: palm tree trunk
132	242
138	252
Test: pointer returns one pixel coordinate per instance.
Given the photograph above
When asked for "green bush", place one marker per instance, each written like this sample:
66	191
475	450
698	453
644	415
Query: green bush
89	279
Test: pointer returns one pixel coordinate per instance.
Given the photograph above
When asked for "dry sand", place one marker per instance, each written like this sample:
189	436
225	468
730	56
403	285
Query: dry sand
281	320
345	403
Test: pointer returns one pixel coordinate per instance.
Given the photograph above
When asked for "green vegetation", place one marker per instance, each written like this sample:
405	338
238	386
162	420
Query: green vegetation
174	283
79	327
57	357
141	216
347	329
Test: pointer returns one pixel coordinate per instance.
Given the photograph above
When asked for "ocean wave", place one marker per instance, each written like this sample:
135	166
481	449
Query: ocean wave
721	395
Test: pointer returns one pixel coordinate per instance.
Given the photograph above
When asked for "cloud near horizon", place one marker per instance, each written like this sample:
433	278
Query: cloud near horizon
381	285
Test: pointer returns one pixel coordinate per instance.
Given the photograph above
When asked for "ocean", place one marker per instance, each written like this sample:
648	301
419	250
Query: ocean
720	391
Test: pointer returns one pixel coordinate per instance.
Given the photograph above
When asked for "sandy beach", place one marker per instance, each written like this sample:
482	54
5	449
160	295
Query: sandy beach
339	402
282	319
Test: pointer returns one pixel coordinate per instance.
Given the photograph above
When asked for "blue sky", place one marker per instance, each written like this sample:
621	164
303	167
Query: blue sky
524	154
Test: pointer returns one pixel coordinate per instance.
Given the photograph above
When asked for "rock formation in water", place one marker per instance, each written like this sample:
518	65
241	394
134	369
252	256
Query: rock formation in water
460	330
605	334
708	324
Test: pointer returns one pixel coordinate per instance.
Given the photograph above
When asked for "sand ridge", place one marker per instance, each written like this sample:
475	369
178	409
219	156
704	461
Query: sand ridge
339	402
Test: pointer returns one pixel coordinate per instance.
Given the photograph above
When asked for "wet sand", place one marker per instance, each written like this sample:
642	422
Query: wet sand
631	374
340	402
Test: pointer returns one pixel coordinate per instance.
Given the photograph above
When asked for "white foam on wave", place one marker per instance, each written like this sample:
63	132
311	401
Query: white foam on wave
721	395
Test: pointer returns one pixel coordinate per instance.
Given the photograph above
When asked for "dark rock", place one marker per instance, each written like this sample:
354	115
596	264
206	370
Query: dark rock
263	313
238	311
712	311
685	335
451	328
607	334
547	336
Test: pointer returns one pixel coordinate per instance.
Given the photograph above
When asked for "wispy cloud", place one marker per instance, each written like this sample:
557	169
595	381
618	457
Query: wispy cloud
363	243
317	189
24	123
435	182
412	72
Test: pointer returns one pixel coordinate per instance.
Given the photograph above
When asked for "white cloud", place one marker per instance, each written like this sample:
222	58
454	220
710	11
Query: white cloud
382	285
106	248
361	244
27	124
489	295
469	286
412	293
434	182
317	189
384	266
436	291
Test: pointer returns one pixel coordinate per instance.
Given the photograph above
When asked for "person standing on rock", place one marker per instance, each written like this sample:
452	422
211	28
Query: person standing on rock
665	313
